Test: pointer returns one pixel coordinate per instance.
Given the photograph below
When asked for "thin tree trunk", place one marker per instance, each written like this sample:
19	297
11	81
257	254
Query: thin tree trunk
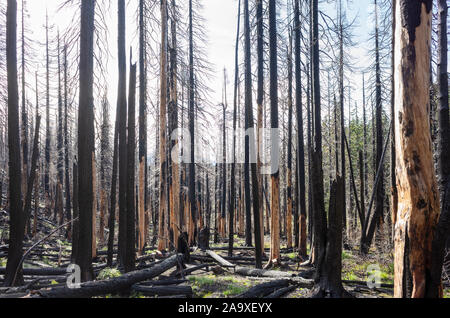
13	273
122	108
275	177
163	236
131	154
86	142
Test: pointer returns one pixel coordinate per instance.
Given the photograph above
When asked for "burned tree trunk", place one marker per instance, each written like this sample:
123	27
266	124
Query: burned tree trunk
275	257
86	142
13	273
191	183
300	137
418	194
66	149
232	203
260	101
143	171
122	123
289	151
328	279
131	150
163	236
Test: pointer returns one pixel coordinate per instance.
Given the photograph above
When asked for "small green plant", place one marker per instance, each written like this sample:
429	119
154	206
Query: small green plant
233	290
201	281
109	273
350	276
345	255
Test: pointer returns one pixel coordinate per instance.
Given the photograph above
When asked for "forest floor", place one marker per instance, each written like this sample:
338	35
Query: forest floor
212	281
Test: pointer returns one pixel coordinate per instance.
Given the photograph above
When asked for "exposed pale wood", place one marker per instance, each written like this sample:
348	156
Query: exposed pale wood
418	195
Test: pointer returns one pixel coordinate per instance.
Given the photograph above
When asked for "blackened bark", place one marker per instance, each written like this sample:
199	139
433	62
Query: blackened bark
444	125
122	107
301	226
191	183
86	142
233	165
329	280
275	177
76	222
66	149
248	107
13	273
131	152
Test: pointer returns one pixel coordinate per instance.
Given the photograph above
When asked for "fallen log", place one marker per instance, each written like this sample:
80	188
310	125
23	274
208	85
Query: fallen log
46	271
164	282
114	285
264	289
219	259
281	292
190	270
151	291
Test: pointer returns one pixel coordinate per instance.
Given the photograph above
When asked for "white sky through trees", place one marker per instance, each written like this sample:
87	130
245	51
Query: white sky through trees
221	20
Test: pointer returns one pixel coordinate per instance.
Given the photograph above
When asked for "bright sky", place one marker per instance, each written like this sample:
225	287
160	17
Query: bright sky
221	23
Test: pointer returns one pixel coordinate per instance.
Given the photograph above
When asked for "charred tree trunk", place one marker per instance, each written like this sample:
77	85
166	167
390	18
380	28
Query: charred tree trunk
131	226
13	273
174	185
66	149
275	257
442	231
143	171
329	281
248	106
444	125
163	236
191	183
300	135
24	109
289	150
122	108
232	204
47	117
86	142
418	194
260	102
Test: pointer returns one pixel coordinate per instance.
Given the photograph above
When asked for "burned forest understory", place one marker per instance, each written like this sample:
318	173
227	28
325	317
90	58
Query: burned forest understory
242	149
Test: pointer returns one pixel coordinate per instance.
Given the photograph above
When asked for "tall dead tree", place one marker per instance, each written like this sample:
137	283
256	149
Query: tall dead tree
86	142
163	235
260	102
300	134
47	116
274	153
13	273
143	171
174	173
59	138
444	125
289	150
122	123
24	107
442	232
327	237
232	202
191	119
131	153
418	194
